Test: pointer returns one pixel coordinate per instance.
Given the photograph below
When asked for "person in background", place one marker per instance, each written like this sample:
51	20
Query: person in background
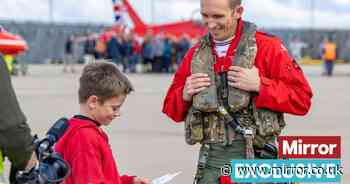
135	57
128	51
89	49
158	50
68	54
296	47
115	51
181	49
329	55
147	53
167	56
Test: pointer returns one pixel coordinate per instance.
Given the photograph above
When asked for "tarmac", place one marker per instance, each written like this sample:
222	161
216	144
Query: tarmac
147	143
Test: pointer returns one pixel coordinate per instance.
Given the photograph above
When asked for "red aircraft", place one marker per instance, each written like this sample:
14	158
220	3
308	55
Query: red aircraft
11	44
191	28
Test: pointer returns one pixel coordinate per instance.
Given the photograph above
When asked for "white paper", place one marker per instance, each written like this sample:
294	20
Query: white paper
165	178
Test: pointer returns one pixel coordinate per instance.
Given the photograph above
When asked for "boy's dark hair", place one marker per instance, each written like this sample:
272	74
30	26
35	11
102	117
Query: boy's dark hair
103	80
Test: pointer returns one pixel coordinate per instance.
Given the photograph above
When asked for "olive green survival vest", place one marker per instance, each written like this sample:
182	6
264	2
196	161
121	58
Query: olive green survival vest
204	124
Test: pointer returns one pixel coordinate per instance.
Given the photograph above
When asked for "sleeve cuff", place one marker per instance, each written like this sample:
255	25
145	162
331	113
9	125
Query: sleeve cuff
127	179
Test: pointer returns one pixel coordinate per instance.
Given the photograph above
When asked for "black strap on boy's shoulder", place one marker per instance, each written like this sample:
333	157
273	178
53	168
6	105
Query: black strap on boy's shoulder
82	117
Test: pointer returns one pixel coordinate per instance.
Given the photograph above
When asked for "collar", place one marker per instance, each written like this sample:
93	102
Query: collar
223	63
82	117
225	42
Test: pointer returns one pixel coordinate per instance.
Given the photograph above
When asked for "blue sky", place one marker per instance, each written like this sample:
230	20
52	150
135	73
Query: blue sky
266	13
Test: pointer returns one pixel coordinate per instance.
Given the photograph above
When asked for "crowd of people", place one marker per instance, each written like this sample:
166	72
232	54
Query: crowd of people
150	54
157	53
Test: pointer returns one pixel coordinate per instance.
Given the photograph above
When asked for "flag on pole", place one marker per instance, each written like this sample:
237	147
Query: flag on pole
119	10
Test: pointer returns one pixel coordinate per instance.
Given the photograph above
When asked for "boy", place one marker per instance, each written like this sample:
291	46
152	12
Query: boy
103	90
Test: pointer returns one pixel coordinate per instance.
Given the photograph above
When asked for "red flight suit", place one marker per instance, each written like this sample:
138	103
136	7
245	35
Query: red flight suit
283	85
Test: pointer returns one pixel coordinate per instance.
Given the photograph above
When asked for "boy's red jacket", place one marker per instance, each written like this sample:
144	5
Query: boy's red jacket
283	85
85	147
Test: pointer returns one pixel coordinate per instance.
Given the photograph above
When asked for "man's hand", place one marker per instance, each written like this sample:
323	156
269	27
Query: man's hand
244	78
195	84
138	180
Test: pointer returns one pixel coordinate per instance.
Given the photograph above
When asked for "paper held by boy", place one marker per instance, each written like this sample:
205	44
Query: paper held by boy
165	178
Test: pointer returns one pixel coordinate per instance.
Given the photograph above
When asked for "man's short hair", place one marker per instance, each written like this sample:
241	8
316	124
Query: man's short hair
234	3
103	80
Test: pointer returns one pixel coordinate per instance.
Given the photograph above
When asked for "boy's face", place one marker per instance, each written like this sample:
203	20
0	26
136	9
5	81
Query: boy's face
110	109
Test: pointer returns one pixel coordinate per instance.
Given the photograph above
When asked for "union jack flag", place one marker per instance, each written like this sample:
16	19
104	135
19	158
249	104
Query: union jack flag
119	10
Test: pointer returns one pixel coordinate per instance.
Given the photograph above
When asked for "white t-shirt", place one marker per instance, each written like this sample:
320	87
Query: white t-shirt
221	47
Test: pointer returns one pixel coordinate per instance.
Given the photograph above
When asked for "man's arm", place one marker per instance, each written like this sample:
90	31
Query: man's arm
277	79
174	106
283	86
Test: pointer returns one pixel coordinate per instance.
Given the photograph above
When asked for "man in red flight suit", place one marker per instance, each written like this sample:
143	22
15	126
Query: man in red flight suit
276	80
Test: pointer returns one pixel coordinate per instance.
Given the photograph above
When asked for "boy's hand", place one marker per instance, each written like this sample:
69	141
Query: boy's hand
138	180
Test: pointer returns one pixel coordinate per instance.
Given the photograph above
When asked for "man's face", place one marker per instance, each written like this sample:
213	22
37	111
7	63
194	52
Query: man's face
219	18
